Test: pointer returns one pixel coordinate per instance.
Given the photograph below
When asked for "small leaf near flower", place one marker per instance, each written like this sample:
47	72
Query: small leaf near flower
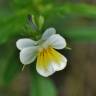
40	22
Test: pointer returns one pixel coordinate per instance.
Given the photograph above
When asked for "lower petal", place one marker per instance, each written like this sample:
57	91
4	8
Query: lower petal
50	61
43	65
61	65
45	72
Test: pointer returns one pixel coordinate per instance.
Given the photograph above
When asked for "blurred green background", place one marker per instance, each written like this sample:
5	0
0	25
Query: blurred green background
73	19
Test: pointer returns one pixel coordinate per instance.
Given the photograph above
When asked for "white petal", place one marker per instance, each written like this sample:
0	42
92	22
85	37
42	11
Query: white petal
61	66
49	32
52	68
24	43
45	72
56	41
28	55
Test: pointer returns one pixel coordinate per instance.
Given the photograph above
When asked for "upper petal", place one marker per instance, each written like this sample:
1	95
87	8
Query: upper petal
56	41
24	43
49	32
28	55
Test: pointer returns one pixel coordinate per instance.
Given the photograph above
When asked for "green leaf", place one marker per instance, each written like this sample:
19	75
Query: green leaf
11	27
40	22
3	62
42	86
13	68
13	19
78	33
78	9
9	65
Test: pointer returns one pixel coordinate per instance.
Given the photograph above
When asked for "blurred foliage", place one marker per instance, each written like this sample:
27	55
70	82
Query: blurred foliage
42	86
13	19
9	64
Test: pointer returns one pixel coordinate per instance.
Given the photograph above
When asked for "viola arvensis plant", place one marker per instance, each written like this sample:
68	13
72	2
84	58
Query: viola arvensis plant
48	59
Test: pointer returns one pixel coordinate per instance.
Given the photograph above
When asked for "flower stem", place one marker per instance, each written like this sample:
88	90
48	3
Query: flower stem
23	67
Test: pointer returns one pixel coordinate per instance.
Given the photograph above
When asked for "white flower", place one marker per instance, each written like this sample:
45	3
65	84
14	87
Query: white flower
48	59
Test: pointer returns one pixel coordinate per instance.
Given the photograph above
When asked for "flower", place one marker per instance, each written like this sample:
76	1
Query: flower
48	59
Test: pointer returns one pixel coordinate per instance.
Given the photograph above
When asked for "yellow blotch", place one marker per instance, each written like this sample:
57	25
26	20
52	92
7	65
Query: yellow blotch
46	56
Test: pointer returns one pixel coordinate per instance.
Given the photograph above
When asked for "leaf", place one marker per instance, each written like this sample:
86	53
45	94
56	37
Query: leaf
11	27
9	65
40	22
3	62
13	68
78	33
13	19
42	86
84	10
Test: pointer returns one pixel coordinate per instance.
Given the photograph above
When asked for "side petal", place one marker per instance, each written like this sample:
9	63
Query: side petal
49	32
24	43
56	41
61	65
28	55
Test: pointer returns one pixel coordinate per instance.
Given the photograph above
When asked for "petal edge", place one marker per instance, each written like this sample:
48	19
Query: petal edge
24	43
28	55
48	32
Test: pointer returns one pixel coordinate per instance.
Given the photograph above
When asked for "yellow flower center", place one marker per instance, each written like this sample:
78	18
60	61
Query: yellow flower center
47	56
